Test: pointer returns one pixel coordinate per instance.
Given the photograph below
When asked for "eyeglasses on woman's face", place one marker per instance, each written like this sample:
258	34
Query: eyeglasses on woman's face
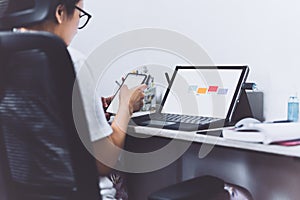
84	18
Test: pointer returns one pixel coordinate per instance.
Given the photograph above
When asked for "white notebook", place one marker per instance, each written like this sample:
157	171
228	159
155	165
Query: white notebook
267	133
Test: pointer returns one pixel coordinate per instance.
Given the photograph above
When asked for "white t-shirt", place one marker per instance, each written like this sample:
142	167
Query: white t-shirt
97	123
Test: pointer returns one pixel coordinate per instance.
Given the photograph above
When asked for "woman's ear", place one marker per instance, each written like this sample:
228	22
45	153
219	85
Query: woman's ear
60	13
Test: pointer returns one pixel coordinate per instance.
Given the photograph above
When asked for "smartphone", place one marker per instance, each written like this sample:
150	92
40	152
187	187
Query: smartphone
131	80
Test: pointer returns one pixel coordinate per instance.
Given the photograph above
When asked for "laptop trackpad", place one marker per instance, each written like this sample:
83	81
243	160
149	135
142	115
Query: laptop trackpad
157	123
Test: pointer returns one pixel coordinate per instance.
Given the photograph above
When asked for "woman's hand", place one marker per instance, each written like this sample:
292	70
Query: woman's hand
132	99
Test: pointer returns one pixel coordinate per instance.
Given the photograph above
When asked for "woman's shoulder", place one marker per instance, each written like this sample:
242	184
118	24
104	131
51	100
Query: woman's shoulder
78	58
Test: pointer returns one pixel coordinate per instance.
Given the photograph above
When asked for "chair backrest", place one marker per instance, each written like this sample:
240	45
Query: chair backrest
45	157
18	13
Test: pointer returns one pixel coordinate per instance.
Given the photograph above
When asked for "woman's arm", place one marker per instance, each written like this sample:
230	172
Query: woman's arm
107	150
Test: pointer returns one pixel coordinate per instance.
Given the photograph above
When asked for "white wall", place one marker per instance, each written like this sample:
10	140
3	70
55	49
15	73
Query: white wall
265	34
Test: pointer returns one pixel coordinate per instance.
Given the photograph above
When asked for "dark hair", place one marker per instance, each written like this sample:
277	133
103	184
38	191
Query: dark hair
69	5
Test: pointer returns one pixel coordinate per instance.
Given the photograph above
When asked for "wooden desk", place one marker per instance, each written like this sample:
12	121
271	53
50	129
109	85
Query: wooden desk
268	171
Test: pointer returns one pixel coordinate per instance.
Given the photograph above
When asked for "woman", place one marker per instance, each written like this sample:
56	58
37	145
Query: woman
64	23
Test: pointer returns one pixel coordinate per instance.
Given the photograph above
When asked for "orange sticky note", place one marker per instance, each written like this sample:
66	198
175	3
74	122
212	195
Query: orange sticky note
201	90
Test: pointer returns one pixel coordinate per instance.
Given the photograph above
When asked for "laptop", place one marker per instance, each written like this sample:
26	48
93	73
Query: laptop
198	98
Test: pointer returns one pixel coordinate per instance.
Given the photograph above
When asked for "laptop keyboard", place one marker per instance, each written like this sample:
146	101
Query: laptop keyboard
183	118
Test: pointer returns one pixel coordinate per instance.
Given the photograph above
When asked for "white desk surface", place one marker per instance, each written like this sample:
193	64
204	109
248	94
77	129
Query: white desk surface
144	132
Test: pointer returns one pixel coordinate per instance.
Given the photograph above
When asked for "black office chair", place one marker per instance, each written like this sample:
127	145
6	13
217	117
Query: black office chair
42	156
202	188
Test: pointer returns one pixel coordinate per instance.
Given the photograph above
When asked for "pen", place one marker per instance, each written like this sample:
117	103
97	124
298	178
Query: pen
118	83
147	80
167	77
281	121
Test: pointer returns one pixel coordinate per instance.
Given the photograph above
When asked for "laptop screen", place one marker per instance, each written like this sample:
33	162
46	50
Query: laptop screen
204	91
